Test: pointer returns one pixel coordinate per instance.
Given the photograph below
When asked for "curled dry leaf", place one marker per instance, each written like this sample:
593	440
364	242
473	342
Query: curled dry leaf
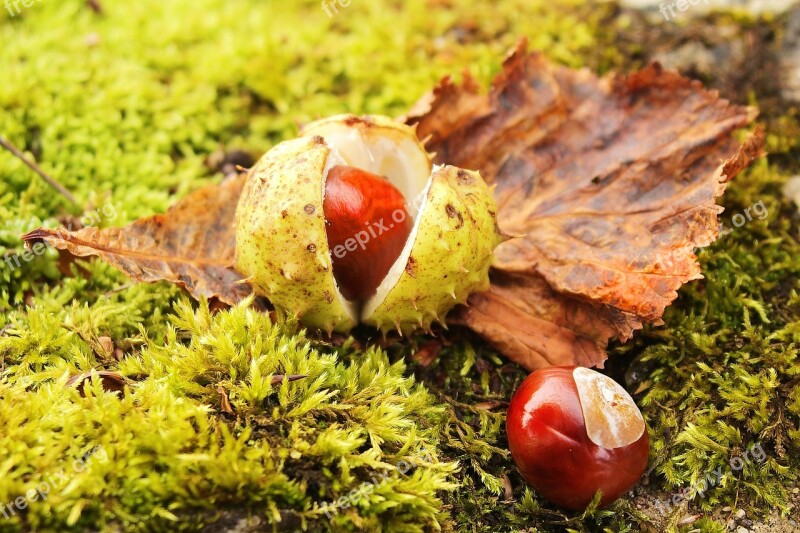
508	490
427	353
489	405
111	381
609	184
107	345
224	401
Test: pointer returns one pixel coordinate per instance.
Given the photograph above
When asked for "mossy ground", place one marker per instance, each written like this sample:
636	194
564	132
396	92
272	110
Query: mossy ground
124	108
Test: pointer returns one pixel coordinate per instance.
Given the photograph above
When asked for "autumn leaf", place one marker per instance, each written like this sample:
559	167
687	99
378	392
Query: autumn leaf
191	244
110	381
608	183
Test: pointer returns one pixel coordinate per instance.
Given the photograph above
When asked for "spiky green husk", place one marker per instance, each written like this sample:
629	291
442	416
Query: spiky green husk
450	256
281	244
282	247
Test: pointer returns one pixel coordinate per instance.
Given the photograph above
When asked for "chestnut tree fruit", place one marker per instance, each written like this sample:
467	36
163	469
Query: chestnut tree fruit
572	432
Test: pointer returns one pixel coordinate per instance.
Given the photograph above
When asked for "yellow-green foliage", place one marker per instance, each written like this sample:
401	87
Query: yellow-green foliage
724	373
124	107
289	449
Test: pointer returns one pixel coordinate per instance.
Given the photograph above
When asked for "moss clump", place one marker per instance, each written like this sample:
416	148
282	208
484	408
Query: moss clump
294	452
720	381
124	108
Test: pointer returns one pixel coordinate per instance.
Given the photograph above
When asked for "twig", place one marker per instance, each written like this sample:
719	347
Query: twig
95	5
280	378
118	289
33	166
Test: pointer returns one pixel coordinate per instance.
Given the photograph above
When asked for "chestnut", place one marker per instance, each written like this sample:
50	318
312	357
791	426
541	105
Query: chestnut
572	432
357	201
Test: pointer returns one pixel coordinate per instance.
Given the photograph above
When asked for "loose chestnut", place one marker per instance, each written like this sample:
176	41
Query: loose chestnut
573	431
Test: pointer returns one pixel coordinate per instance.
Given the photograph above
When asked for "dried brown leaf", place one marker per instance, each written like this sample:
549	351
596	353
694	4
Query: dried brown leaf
277	379
489	405
427	353
224	402
190	245
106	344
508	490
610	185
110	381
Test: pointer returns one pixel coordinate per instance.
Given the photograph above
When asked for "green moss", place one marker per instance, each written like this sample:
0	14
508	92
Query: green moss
124	107
723	373
288	450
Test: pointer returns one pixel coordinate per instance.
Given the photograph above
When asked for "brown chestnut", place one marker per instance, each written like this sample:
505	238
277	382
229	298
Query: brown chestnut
572	432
